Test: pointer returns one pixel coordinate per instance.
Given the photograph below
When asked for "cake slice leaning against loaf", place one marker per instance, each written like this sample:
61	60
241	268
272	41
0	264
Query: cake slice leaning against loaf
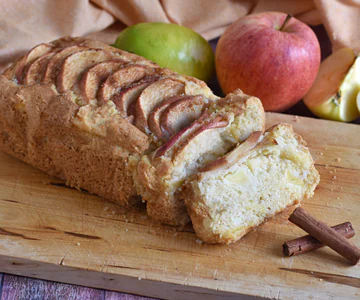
160	175
258	179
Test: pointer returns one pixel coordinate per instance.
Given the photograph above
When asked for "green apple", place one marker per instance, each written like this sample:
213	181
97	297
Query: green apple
336	87
169	45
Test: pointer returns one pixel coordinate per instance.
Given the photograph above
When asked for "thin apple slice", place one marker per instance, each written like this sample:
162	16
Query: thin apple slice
120	54
181	113
358	101
154	117
32	55
35	72
88	43
232	157
92	78
126	98
333	94
122	78
153	96
16	72
54	63
205	143
179	138
70	46
74	65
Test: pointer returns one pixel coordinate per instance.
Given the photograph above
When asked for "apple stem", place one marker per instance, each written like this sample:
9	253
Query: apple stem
336	98
288	17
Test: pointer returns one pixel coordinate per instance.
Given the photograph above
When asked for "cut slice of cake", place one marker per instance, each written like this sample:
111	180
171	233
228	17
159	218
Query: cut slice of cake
252	183
160	175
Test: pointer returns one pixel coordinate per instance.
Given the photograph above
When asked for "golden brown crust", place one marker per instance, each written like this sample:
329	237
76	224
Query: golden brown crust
43	128
160	207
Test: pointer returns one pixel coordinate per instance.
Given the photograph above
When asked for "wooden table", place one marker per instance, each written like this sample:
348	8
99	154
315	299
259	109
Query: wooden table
17	287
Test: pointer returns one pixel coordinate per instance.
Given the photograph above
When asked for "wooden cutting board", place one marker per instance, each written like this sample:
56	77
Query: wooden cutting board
53	232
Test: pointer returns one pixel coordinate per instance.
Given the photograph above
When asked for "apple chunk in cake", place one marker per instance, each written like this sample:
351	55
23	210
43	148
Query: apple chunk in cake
258	179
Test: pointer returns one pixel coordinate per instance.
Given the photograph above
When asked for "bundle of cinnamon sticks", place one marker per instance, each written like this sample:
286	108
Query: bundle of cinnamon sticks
321	235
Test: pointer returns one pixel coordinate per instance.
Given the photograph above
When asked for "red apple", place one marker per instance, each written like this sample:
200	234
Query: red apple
270	55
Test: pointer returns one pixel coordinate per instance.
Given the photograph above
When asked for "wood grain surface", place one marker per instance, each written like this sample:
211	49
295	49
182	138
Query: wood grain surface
57	233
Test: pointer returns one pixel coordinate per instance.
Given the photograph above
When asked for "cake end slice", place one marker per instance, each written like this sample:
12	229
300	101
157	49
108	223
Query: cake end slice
249	185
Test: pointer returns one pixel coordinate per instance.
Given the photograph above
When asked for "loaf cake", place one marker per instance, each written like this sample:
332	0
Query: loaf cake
120	126
259	178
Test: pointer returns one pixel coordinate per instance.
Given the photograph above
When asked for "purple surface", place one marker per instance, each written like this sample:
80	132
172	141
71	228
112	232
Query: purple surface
22	288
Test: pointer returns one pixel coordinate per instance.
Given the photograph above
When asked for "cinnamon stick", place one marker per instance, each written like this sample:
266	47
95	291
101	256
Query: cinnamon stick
325	234
308	243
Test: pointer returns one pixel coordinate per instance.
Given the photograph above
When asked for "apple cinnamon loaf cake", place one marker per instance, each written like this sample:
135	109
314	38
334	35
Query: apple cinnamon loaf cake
259	178
118	125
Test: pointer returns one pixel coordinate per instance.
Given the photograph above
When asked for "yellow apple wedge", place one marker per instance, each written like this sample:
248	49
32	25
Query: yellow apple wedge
358	101
333	94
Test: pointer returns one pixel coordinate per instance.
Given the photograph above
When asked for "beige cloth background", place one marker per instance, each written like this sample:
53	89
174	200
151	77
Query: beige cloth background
26	23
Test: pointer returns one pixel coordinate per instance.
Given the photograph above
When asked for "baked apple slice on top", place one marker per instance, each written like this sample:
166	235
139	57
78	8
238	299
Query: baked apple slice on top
181	113
154	117
93	77
54	63
71	46
74	65
158	96
120	79
16	71
252	183
87	43
34	73
152	96
126	98
160	175
181	137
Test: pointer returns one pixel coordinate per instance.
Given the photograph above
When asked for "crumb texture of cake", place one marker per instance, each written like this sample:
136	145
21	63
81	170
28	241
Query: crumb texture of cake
252	183
160	175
